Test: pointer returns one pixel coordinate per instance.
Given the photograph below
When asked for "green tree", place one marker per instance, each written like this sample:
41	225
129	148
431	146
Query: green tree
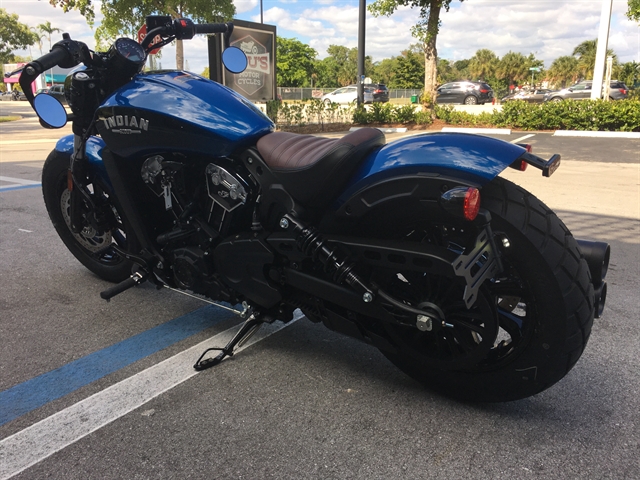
295	62
13	36
426	31
634	10
513	67
483	64
586	53
124	17
410	68
629	73
340	68
563	71
385	71
46	29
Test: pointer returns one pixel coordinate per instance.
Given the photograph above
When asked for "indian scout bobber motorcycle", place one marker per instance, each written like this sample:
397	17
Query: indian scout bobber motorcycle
465	281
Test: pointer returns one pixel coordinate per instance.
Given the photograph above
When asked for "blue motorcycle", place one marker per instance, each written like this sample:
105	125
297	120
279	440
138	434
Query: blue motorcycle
465	281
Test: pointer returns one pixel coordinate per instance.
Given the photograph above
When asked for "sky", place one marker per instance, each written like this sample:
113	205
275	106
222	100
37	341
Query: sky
548	29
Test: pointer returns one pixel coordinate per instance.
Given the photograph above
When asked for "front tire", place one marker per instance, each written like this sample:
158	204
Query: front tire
541	304
92	248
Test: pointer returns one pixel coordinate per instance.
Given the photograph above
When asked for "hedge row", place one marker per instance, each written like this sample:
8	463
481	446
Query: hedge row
568	115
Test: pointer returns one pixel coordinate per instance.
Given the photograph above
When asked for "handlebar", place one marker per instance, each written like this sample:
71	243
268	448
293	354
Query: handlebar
204	28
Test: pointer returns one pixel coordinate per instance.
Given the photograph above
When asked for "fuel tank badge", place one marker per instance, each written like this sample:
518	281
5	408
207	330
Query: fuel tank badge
131	124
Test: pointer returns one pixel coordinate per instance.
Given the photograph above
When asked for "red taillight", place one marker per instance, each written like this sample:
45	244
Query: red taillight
471	204
623	91
482	90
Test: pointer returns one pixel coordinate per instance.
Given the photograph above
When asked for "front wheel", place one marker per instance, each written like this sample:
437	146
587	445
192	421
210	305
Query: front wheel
529	324
471	100
93	248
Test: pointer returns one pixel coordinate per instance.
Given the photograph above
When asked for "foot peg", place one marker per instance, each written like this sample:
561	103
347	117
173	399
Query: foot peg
135	279
249	327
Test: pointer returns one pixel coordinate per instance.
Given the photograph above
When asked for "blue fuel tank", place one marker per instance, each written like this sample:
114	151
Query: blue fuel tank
179	111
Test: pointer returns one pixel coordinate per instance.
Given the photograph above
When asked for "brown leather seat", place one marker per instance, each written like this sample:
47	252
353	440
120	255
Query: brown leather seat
315	169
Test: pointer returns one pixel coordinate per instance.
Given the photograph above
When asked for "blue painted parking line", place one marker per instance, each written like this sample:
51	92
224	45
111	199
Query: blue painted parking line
9	188
40	390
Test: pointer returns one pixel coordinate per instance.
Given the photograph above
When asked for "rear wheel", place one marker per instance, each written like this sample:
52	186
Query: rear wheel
528	326
470	100
93	248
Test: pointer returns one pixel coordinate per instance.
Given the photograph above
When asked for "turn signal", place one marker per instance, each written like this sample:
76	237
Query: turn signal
462	202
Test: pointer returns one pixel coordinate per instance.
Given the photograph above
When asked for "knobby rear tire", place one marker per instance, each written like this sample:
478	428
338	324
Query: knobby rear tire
559	309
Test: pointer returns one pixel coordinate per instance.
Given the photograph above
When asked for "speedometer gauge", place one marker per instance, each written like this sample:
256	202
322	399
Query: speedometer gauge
130	49
125	58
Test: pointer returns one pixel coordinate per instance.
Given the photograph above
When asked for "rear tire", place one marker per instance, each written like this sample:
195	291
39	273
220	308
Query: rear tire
542	304
470	100
93	249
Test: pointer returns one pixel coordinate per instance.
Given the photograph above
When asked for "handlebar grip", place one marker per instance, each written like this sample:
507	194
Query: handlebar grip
56	56
213	28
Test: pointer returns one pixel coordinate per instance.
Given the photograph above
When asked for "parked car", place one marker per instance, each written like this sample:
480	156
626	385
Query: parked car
57	91
531	96
347	95
13	95
468	93
582	91
380	92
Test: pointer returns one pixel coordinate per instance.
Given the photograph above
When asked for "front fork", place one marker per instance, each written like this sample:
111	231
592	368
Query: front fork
76	184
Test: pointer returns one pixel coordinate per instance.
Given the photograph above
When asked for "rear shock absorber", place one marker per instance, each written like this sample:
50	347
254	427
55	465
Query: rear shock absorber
336	263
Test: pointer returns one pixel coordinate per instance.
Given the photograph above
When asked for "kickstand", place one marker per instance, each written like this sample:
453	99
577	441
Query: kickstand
249	327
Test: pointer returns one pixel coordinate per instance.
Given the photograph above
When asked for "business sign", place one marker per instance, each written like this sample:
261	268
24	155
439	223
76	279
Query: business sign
258	42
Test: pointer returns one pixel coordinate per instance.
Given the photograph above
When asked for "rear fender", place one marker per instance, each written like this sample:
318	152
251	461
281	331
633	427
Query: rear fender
421	167
93	154
474	159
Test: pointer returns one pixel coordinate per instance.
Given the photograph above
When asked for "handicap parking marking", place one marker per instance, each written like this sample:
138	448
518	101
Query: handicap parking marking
17	184
41	440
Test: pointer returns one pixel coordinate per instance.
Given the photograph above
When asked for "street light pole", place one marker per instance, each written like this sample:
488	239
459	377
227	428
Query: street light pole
601	51
361	31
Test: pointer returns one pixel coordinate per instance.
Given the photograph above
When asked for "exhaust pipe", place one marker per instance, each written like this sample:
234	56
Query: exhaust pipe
600	294
597	256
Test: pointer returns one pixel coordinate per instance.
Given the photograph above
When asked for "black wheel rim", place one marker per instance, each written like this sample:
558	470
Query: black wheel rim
493	332
98	246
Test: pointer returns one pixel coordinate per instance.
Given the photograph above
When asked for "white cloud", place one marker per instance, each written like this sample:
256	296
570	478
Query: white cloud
548	29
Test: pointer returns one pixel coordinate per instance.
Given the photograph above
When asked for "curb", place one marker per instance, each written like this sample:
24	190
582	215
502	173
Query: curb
383	130
495	131
584	133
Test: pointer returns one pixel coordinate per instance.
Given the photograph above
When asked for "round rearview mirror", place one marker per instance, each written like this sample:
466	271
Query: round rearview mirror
234	60
50	110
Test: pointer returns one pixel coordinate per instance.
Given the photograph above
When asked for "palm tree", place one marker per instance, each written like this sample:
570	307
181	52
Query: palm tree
563	70
483	64
513	67
586	53
46	28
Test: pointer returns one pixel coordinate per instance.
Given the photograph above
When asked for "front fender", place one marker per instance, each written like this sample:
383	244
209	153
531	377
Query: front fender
473	159
93	154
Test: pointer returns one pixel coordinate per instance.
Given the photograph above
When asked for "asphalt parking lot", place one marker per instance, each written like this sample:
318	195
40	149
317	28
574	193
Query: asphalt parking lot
90	389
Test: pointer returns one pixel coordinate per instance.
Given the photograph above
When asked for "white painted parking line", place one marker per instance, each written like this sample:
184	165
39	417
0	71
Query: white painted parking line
523	138
41	440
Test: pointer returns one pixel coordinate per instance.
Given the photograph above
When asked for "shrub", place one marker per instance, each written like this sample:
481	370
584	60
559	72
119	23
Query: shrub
405	114
424	118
